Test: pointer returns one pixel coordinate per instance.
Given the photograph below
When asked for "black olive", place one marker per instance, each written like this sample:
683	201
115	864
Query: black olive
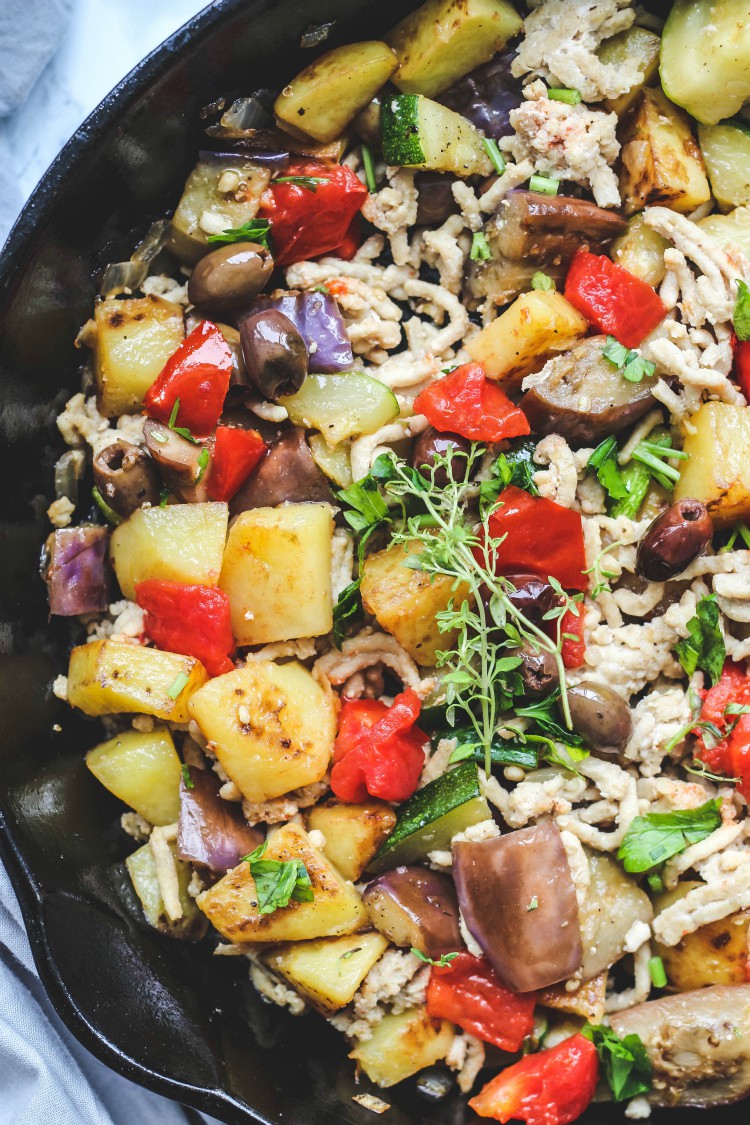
538	671
673	540
600	715
229	276
274	352
126	477
432	443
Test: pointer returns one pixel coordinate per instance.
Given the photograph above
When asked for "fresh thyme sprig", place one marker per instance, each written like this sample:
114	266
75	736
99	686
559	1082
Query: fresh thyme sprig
481	668
599	572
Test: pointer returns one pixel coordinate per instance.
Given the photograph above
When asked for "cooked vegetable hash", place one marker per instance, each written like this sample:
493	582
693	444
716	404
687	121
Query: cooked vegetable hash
413	588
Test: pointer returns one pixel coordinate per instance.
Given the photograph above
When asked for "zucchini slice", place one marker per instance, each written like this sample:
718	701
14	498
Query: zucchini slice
432	816
705	57
726	152
341	406
420	133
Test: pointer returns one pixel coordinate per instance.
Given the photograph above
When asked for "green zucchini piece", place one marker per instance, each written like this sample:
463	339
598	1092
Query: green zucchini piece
431	818
420	133
726	152
705	57
730	230
341	406
203	200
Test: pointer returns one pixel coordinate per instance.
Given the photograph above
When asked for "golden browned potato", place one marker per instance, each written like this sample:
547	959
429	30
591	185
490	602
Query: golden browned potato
661	161
327	972
353	833
231	905
114	677
714	954
180	543
270	725
718	469
405	602
324	97
143	770
277	573
522	339
134	339
402	1045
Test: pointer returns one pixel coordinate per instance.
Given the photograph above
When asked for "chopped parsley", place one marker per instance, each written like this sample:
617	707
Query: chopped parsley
278	882
542	281
604	462
741	316
624	1062
309	182
183	431
480	247
203	458
704	648
533	904
656	837
256	230
630	363
445	959
514	467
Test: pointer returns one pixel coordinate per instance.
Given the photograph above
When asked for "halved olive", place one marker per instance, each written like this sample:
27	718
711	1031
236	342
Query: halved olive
673	540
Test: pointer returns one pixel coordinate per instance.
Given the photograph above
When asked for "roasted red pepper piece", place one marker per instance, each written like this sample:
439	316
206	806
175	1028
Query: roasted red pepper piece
192	620
541	537
235	454
198	375
731	756
612	298
469	992
552	1087
306	223
572	651
352	241
466	402
742	364
378	751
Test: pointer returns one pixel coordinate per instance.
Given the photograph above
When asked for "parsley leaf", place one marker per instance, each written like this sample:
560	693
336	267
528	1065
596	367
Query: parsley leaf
183	431
309	182
656	837
704	648
189	783
257	230
604	462
445	959
368	509
625	1062
544	713
741	316
630	363
514	467
542	281
277	882
348	607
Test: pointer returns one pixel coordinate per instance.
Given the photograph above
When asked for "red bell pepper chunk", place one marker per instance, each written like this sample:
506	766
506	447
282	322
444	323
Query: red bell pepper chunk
466	402
541	537
352	241
198	375
309	221
612	298
235	454
469	992
731	756
378	750
742	364
552	1087
572	651
192	620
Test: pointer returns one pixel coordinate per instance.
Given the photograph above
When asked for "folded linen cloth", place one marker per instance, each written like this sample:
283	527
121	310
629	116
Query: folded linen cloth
30	33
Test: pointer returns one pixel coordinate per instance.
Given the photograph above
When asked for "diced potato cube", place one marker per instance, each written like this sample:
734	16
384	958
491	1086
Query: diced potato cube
134	339
328	972
405	602
181	543
116	677
402	1045
206	208
143	874
713	954
635	44
661	161
277	573
445	39
272	727
523	338
353	833
324	97
718	470
231	905
143	770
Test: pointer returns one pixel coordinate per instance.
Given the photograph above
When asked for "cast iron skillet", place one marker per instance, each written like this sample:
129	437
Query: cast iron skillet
166	1015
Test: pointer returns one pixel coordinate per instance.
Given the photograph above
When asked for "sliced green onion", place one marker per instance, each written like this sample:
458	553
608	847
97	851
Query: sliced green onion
497	159
544	184
480	248
179	683
203	458
664	473
657	972
740	530
664	450
561	94
369	164
163	497
542	281
109	515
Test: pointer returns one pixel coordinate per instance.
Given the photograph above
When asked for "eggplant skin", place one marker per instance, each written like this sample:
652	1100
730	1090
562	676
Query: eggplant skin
584	397
698	1043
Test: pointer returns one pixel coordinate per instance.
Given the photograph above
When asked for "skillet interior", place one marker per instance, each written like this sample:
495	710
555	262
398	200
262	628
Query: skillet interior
171	1017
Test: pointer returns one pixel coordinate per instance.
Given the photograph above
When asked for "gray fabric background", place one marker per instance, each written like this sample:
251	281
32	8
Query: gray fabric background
46	1077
